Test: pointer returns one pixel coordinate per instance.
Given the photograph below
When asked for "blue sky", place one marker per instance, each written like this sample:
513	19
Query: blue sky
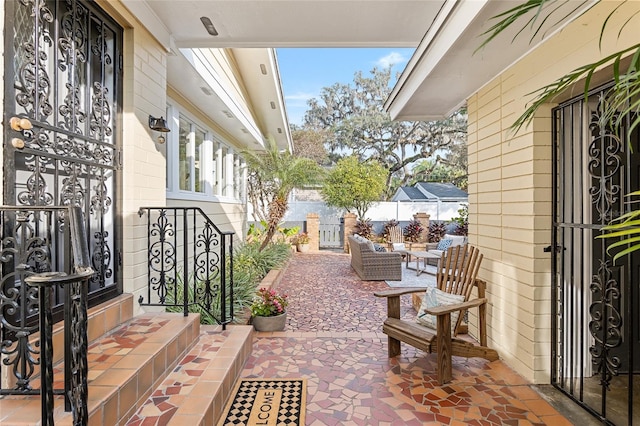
304	72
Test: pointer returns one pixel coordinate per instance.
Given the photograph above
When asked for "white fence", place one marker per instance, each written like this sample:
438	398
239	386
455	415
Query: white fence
383	211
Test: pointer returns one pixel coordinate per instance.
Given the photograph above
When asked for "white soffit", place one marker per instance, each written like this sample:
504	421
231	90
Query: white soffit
288	23
261	79
446	69
195	76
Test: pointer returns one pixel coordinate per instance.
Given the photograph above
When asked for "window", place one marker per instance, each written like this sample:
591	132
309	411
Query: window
200	165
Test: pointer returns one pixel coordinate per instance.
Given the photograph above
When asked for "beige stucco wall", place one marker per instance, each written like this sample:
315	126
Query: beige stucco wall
510	186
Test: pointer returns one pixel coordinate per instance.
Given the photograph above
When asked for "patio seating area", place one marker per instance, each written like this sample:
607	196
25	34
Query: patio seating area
334	338
154	370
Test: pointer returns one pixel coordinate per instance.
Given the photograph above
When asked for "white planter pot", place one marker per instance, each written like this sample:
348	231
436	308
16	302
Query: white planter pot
303	248
275	323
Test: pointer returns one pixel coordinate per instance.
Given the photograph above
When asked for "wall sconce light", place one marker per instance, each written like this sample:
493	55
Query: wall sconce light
159	125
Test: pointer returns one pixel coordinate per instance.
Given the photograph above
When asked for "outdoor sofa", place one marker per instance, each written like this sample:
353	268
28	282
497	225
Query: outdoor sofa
372	265
448	240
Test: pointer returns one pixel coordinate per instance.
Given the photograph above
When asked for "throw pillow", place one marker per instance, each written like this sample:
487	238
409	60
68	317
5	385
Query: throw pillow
434	297
444	244
398	246
456	240
370	245
378	247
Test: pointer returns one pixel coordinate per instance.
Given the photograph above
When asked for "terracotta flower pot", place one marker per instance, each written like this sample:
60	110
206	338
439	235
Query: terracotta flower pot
275	323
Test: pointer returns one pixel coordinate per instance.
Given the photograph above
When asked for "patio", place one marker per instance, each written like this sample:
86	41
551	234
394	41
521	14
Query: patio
153	369
333	338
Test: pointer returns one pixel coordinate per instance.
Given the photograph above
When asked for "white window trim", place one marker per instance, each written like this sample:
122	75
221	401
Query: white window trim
210	168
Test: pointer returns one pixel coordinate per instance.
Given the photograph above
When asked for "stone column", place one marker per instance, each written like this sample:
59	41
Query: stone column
423	218
349	226
313	230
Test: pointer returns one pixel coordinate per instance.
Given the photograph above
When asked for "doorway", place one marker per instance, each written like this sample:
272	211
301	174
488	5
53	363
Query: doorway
596	320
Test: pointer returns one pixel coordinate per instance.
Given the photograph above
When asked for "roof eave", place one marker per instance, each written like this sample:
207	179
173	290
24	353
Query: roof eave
447	69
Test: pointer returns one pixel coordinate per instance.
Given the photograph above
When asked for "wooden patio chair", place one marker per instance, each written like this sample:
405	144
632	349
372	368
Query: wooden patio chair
457	275
395	240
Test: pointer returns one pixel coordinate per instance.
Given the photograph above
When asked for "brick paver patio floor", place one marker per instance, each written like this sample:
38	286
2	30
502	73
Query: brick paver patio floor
334	339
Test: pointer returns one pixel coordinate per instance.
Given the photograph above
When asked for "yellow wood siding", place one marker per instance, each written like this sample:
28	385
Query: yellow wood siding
510	186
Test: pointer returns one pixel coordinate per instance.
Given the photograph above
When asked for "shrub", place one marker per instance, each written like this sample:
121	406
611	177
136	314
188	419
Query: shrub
462	221
250	266
436	231
364	228
413	230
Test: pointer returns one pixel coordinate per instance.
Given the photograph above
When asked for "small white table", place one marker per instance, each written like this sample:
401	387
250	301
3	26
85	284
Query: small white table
424	255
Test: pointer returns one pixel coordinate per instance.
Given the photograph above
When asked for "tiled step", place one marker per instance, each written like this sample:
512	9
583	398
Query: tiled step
196	391
100	320
124	367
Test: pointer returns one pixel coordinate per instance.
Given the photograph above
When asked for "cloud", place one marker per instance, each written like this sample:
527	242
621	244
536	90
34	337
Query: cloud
300	96
393	58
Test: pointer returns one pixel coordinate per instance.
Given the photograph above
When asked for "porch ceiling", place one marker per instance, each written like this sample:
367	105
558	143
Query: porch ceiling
288	23
444	71
265	24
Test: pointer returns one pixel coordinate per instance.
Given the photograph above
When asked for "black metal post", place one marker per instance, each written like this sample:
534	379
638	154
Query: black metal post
67	350
41	281
185	254
46	355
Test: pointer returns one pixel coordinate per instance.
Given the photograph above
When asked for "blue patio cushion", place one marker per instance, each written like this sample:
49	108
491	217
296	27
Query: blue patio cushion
444	244
378	247
435	297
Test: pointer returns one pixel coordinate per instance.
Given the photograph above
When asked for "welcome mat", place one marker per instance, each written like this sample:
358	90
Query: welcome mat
269	402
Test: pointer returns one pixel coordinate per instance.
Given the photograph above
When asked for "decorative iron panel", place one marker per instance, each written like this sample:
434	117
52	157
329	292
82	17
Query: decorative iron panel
63	91
594	325
190	263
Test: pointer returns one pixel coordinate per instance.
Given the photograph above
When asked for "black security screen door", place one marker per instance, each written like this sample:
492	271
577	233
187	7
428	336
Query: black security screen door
596	305
63	90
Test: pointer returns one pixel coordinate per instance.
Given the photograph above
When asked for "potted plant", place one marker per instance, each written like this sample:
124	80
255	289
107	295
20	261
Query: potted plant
268	310
302	241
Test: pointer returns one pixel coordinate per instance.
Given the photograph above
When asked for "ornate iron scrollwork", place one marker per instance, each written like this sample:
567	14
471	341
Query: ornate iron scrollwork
63	90
188	255
33	83
77	394
605	162
206	266
36	193
606	322
162	256
101	259
604	165
25	251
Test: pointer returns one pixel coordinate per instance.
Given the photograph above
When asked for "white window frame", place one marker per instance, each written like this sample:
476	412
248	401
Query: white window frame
213	178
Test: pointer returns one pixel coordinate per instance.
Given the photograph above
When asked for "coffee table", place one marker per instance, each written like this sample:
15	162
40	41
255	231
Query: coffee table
424	255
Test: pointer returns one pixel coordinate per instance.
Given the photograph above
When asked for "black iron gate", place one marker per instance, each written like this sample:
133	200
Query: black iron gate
62	92
596	306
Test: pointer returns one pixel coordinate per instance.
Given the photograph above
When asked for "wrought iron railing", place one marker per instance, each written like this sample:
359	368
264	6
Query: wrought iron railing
190	262
36	242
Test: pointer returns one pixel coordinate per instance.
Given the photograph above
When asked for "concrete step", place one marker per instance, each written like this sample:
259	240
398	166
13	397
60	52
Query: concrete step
197	389
125	365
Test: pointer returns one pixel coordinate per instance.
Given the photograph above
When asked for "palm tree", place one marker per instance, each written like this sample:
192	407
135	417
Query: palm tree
623	99
278	173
